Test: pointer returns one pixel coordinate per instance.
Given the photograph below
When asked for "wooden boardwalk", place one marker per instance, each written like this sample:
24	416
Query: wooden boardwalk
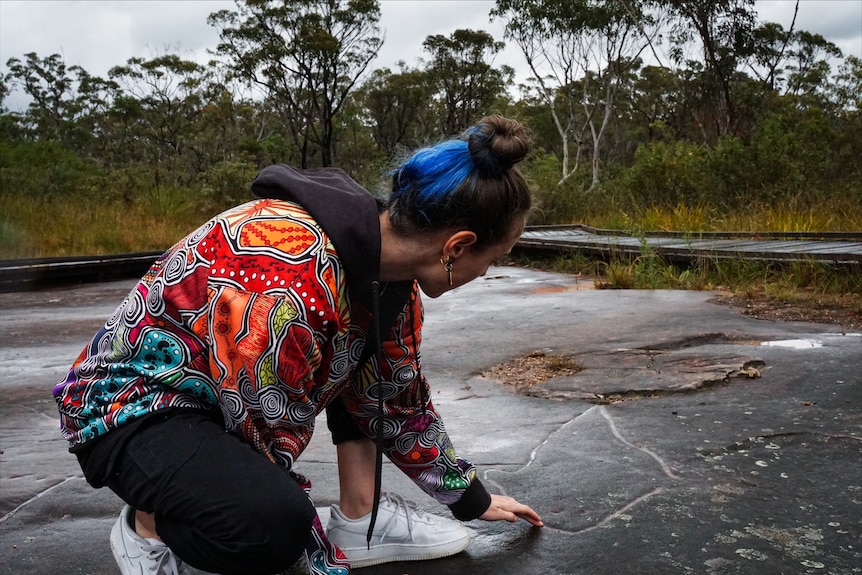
828	247
844	248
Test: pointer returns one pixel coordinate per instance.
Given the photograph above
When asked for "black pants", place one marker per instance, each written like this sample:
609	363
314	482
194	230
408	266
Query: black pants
219	505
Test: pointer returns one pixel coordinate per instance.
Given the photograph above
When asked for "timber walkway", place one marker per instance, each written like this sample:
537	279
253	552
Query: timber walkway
843	248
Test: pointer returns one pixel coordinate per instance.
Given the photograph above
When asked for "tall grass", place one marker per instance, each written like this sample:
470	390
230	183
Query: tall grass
835	213
810	281
832	214
54	203
74	226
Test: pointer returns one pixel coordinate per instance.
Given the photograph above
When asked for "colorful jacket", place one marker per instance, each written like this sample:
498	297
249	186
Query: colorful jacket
262	314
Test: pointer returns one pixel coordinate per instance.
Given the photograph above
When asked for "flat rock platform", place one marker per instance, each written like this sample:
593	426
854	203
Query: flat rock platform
693	439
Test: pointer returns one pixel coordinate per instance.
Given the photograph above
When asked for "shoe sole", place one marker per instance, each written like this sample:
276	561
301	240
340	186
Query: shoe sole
437	552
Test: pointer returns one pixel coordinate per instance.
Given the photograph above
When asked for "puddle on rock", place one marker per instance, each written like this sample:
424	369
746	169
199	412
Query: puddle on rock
794	343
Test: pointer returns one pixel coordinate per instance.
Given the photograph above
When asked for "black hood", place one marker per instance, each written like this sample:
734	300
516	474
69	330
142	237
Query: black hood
346	211
350	216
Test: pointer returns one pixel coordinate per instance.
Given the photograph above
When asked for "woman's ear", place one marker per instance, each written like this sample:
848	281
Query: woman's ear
457	244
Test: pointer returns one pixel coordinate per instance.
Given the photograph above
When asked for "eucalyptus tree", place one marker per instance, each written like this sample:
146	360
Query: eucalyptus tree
846	91
578	53
651	100
161	102
723	31
466	82
769	49
10	122
396	105
808	67
65	102
5	90
48	83
847	85
48	149
306	56
791	61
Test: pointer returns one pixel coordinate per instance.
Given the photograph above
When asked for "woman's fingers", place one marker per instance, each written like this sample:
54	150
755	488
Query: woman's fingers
508	509
531	517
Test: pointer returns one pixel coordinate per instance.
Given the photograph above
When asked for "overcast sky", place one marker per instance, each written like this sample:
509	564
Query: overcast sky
99	34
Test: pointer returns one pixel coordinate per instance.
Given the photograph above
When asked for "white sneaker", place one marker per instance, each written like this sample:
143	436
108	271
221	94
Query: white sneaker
139	556
401	533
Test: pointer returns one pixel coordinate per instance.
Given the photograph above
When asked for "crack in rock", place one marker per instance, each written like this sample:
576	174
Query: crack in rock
611	425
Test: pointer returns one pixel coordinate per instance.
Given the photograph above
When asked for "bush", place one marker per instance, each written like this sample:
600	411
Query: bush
791	155
667	174
227	184
728	170
43	170
555	204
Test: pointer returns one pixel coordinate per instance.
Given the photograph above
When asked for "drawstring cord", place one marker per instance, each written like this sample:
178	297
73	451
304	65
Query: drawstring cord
423	394
378	459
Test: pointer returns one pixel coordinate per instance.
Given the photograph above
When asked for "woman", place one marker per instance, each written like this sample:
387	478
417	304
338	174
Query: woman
259	320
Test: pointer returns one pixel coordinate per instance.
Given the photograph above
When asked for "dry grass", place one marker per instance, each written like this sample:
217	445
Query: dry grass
834	214
537	367
74	227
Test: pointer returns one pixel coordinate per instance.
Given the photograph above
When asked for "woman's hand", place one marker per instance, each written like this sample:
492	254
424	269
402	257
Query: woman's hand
504	508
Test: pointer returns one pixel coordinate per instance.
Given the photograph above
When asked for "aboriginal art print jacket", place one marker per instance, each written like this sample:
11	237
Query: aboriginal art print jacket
262	315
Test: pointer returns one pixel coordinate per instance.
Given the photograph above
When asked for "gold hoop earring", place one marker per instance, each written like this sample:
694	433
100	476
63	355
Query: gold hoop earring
447	265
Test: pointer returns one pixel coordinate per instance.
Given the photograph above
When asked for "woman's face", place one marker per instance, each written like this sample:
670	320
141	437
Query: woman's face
470	263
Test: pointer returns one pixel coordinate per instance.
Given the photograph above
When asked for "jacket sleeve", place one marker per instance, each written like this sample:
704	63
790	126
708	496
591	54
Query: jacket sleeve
415	438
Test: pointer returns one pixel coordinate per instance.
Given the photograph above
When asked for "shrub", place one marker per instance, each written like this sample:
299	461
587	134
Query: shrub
227	184
43	170
666	173
791	155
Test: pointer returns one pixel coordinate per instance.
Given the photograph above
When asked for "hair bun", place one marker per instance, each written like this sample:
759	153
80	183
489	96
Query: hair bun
496	144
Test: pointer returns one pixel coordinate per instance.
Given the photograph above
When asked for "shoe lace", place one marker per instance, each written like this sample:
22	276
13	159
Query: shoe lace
162	559
409	510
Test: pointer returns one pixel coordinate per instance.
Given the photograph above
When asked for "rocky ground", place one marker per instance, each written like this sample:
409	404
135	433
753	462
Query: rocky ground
525	372
845	312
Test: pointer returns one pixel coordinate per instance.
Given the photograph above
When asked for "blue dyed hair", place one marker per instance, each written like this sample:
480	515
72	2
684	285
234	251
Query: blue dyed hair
466	183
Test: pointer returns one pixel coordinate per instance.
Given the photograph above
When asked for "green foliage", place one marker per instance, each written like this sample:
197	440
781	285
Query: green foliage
12	238
466	84
571	202
580	53
167	201
792	152
227	184
398	105
84	225
728	174
752	127
306	56
666	173
43	169
124	184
